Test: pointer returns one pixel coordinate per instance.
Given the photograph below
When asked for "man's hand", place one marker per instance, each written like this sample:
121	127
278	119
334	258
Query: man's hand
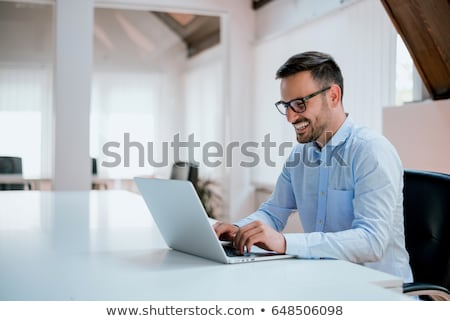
261	235
255	233
225	231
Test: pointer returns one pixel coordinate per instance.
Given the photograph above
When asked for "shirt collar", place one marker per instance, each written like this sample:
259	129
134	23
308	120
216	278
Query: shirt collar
342	133
337	139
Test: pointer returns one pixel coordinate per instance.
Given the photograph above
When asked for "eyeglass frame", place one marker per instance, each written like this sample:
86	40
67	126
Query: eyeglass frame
303	100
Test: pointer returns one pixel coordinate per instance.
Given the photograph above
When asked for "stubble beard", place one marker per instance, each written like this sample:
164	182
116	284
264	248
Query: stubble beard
316	130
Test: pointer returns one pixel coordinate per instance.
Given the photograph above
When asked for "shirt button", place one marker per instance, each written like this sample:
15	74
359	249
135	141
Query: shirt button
320	222
322	193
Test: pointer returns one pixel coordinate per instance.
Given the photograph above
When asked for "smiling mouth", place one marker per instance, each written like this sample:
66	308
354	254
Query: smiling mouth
301	126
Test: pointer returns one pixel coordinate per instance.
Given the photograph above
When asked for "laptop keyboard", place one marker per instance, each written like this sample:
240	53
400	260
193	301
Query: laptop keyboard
231	251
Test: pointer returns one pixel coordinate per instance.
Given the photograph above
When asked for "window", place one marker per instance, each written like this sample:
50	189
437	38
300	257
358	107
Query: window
404	82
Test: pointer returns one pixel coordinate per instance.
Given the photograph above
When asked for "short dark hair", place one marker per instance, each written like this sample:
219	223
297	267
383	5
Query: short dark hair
322	66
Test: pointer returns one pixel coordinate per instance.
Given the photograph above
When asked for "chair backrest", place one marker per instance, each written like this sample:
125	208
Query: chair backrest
11	165
427	225
94	166
185	171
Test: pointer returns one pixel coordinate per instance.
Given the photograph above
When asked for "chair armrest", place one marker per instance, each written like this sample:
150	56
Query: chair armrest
433	292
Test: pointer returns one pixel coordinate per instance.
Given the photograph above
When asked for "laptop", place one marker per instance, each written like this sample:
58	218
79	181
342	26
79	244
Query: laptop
185	226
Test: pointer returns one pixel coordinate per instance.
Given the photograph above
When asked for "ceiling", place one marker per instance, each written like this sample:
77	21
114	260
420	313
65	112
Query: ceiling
256	4
199	32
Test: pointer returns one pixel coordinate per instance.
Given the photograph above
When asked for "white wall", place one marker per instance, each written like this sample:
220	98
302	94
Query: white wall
420	132
72	94
279	17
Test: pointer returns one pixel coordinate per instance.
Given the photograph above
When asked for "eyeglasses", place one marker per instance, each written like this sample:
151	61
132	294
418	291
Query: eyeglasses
298	105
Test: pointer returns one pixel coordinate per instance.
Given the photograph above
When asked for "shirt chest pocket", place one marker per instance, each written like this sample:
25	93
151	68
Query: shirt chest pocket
339	210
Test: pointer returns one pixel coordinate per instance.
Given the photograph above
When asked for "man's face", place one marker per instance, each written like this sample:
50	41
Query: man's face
310	125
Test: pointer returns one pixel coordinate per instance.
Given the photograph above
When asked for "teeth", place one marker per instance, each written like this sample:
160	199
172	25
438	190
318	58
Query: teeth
301	125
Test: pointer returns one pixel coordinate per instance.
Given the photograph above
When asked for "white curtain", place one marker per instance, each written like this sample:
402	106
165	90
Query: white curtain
203	87
25	116
124	106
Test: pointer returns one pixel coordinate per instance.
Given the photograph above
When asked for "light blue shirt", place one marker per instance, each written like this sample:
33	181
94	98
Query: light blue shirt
349	196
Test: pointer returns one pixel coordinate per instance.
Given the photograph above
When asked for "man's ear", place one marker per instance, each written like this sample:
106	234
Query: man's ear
335	95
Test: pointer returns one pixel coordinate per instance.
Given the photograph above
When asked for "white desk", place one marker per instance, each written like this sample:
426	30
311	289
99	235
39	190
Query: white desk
103	245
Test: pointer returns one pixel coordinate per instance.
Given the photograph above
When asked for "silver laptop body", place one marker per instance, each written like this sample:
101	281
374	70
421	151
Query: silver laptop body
184	224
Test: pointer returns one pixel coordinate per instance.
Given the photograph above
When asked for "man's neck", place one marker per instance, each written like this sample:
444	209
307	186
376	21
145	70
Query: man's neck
329	133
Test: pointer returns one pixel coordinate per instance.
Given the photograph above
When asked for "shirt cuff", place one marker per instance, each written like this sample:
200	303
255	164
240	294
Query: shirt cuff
296	245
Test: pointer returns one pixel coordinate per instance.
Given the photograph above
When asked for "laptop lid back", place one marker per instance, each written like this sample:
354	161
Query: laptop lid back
180	217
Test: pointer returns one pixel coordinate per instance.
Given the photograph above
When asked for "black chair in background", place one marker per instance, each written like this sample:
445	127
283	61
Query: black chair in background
11	166
185	171
427	233
94	166
96	184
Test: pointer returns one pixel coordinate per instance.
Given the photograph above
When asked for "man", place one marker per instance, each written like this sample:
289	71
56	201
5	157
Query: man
345	181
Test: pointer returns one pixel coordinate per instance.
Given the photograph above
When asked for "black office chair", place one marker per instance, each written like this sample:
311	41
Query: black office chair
427	233
94	166
185	171
11	166
94	172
